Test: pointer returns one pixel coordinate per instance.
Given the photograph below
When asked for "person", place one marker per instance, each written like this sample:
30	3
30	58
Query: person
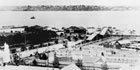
79	63
104	66
56	62
34	62
1	57
16	59
102	54
37	54
80	48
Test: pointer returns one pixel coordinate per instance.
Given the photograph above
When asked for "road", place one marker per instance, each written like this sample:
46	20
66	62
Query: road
40	50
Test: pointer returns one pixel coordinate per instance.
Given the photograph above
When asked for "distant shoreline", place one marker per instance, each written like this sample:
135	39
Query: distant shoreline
67	8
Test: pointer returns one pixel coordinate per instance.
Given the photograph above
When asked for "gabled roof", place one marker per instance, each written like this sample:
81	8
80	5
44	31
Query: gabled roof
71	67
92	36
103	32
90	61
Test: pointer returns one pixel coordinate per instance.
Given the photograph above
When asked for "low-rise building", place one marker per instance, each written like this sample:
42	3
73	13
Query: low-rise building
12	30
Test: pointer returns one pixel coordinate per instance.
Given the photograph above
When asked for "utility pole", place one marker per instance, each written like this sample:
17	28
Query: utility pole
25	39
85	37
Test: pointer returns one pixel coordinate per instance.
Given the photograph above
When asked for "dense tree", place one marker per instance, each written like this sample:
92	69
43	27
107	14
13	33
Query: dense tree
74	29
69	8
32	35
35	28
36	34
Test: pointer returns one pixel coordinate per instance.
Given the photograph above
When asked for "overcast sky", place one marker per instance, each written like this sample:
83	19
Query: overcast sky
71	2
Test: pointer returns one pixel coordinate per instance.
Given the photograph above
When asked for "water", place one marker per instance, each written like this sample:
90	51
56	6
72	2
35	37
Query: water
120	19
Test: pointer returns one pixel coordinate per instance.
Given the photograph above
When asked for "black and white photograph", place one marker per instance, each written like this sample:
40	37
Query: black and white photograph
69	34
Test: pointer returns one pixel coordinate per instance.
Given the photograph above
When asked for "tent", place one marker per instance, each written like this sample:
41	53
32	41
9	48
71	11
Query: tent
71	67
92	36
137	66
51	57
104	31
124	41
56	47
70	44
125	67
6	53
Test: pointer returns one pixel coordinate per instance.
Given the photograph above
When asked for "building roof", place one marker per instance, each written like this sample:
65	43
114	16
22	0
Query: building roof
71	67
103	32
92	36
14	29
124	41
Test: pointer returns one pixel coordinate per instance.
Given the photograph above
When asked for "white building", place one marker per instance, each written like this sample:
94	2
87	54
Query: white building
12	30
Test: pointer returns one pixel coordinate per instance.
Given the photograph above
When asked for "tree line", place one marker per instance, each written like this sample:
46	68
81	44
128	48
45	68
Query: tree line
32	35
70	8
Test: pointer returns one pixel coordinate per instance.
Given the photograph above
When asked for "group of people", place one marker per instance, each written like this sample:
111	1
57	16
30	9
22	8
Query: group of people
14	59
42	56
6	57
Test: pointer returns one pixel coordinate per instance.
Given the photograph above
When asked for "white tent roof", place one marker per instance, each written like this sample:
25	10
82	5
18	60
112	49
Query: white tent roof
71	67
55	47
92	36
124	41
91	30
104	31
74	43
137	67
125	67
